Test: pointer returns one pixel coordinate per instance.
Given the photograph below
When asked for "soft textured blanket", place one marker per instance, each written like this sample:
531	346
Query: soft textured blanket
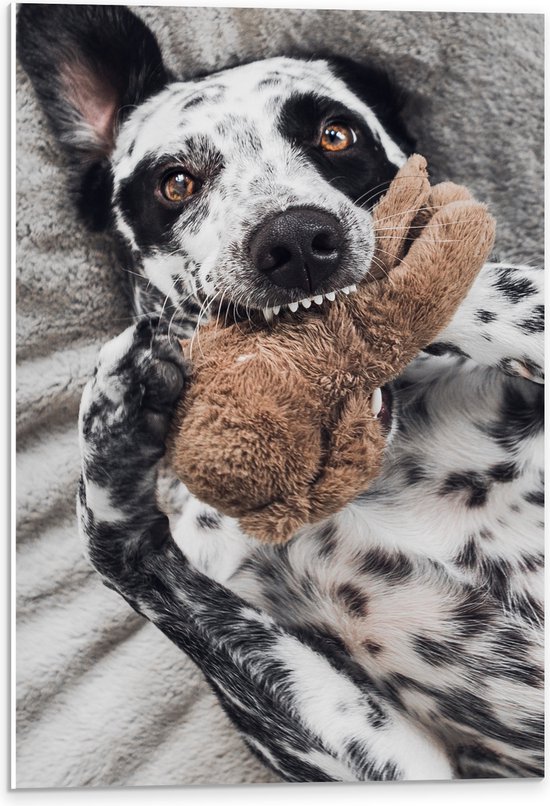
102	697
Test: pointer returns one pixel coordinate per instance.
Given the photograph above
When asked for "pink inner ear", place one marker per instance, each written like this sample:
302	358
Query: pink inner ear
95	99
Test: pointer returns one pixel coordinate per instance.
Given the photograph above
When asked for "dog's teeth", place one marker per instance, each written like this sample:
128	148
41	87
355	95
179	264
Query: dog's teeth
376	402
276	309
353	288
306	303
268	313
331	296
318	299
293	306
345	290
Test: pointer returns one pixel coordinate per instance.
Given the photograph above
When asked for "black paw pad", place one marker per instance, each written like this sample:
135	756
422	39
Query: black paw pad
164	385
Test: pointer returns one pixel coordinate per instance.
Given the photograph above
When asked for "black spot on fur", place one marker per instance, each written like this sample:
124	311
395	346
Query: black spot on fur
269	81
372	647
413	470
470	482
532	562
443	347
353	598
503	472
195	101
535	497
468	556
496	572
520	669
393	566
514	287
431	650
472	615
535	323
326	537
208	520
485	316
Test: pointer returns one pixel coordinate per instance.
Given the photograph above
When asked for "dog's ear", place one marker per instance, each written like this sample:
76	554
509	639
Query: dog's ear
375	87
89	66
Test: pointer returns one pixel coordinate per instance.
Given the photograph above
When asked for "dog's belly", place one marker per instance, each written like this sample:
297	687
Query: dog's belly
429	637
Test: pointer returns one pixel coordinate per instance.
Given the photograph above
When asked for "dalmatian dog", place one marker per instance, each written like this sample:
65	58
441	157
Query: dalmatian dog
402	637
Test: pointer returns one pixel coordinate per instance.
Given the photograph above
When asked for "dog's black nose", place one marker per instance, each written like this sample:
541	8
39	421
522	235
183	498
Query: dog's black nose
299	248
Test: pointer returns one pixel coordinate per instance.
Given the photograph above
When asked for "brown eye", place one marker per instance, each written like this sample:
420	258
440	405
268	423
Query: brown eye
337	137
177	186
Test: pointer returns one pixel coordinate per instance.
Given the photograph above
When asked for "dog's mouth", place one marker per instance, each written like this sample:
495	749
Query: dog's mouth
234	312
318	299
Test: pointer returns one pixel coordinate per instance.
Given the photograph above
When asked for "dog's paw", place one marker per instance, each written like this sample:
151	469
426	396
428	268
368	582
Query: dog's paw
127	406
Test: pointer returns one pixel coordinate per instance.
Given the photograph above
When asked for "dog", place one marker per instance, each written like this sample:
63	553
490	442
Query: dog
402	637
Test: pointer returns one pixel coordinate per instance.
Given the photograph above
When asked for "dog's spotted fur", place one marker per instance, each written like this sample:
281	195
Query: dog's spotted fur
402	637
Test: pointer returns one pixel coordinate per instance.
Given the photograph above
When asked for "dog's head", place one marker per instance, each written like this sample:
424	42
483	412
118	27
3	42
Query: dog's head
250	186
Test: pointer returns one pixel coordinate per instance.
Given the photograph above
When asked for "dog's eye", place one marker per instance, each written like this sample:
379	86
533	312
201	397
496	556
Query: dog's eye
337	136
177	186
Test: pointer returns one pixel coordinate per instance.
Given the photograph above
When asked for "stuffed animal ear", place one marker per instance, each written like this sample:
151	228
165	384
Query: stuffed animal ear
89	66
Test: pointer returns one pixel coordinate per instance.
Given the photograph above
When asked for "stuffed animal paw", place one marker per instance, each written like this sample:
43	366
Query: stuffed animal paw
284	424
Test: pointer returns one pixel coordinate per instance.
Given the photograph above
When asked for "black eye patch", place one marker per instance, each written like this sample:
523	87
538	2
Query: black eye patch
137	198
362	172
149	220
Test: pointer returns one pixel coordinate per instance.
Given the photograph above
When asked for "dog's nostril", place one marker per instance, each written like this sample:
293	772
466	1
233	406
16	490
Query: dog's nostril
278	256
323	243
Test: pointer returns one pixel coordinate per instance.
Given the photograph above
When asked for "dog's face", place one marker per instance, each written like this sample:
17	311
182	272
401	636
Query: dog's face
249	187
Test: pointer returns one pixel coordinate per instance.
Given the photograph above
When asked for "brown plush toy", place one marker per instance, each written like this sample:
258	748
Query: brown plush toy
278	426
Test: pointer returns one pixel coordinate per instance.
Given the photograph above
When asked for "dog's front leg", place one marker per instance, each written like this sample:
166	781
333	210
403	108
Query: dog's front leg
303	712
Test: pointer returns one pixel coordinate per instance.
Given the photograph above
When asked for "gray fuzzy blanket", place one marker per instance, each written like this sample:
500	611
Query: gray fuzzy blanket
102	697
